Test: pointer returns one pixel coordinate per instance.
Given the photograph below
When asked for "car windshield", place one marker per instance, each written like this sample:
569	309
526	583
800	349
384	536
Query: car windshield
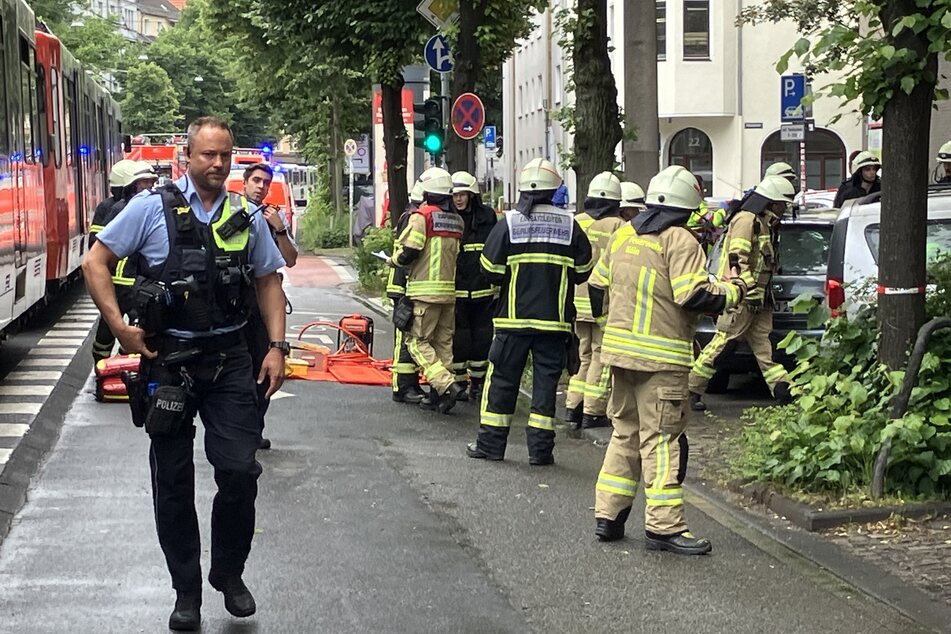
939	238
803	249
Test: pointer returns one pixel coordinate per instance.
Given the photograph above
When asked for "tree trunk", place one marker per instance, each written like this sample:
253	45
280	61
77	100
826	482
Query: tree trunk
641	151
903	230
467	66
395	143
597	130
336	177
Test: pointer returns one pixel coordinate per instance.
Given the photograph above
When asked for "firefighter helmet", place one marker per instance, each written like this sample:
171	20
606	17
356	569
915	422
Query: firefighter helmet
632	195
121	173
142	171
944	153
416	196
539	175
464	182
780	169
605	185
864	159
436	181
675	187
776	188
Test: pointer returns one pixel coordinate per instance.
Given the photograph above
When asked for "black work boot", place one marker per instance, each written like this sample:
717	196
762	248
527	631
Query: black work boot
473	451
412	395
782	394
238	599
464	394
574	415
696	402
681	543
430	400
264	443
589	421
541	461
447	400
611	530
186	617
475	390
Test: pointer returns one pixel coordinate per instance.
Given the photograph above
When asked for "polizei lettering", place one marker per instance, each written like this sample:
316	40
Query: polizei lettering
169	406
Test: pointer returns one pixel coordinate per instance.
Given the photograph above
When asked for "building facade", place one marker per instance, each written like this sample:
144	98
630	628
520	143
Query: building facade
138	20
718	99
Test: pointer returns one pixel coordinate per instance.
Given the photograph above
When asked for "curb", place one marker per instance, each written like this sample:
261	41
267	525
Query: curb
35	445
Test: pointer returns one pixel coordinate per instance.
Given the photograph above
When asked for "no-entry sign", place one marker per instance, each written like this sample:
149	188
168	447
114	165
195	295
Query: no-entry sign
468	116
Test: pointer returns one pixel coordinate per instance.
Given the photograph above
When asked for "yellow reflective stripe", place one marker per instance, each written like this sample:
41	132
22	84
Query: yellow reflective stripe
443	286
562	294
583	304
602	274
495	420
617	484
122	281
774	372
480	365
732	294
541	258
541	422
584	268
652	352
535	324
484	403
415	240
473	246
512	295
702	370
585	221
490	267
576	385
683	283
664	497
741	244
435	259
96	228
488	292
645	301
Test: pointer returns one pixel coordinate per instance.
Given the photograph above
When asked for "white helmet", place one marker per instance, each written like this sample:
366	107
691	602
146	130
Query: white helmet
632	195
944	154
864	159
142	171
416	196
676	187
780	169
605	185
464	182
436	181
776	188
121	173
539	175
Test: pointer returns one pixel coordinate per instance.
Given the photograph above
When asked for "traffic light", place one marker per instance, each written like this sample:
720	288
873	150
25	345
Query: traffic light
434	135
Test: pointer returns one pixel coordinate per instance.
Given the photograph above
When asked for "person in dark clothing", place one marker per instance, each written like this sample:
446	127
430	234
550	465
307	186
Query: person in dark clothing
864	180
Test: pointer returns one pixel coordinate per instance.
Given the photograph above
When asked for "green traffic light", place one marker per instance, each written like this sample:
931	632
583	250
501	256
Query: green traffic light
432	143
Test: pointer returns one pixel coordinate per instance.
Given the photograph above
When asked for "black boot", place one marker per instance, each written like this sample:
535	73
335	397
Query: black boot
473	451
464	394
782	393
574	415
264	443
611	530
696	402
681	543
589	421
475	390
238	599
447	400
186	617
412	395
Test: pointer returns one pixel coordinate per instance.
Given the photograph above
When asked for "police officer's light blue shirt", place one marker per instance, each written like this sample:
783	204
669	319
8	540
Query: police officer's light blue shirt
140	228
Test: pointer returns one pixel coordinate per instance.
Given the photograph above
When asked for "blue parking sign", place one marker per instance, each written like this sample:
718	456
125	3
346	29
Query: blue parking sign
791	93
488	135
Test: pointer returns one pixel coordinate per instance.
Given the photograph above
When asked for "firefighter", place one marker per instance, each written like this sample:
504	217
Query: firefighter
405	376
474	293
944	164
427	249
537	256
632	200
119	177
779	168
750	239
864	179
652	279
587	398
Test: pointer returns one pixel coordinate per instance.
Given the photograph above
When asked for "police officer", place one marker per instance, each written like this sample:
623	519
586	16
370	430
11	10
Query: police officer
588	389
127	179
750	241
652	278
202	254
257	183
427	249
474	293
944	163
864	179
536	256
405	374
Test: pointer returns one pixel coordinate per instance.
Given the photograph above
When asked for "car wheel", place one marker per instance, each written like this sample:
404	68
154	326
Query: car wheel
719	383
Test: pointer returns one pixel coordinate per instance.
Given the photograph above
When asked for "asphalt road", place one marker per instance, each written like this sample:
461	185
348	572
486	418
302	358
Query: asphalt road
371	518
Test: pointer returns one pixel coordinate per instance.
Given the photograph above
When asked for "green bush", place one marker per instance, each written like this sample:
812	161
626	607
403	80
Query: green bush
371	270
320	226
828	439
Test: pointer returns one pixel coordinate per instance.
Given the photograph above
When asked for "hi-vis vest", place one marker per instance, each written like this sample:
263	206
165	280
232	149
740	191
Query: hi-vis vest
648	279
599	233
435	234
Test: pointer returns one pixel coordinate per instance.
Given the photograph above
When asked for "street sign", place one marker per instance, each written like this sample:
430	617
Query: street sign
791	93
468	116
349	147
792	132
437	54
489	137
440	13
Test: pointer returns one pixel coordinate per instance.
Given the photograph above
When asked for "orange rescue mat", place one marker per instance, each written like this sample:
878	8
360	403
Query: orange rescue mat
352	362
109	385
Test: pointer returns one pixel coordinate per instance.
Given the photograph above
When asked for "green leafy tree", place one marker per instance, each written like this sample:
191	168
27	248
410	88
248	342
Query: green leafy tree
149	102
55	13
96	43
885	53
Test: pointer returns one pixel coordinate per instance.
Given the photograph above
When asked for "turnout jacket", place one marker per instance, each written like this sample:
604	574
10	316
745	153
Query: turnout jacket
396	280
536	260
427	248
750	239
654	284
471	283
599	231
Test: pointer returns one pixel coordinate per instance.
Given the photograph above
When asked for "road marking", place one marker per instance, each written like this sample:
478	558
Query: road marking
342	272
5	455
65	325
280	394
67	333
73	320
52	352
13	430
26	390
326	340
35	375
51	362
20	408
60	342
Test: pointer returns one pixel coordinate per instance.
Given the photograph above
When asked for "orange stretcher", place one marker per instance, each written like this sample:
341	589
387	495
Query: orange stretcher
352	363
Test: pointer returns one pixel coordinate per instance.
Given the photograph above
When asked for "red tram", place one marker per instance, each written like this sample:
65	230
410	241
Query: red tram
60	132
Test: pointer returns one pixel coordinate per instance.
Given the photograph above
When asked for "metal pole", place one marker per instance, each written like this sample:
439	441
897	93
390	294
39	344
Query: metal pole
447	104
350	165
491	177
802	168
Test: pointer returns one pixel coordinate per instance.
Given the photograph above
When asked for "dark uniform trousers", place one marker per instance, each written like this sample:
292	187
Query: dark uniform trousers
472	338
258	345
105	341
507	357
405	373
224	397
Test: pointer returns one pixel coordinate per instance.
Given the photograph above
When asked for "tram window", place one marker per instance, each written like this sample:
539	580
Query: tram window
27	100
68	101
42	135
56	139
4	122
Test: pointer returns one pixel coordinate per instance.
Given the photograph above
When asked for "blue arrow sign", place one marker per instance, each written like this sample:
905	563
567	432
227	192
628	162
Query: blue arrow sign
791	93
437	54
488	135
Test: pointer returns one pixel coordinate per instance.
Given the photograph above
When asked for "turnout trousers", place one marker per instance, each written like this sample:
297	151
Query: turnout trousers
471	341
105	341
404	371
224	396
430	342
743	323
507	358
592	383
649	444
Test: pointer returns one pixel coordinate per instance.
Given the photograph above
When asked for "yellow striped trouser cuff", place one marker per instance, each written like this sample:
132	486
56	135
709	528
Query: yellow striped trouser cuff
616	484
541	422
774	372
664	496
495	420
576	385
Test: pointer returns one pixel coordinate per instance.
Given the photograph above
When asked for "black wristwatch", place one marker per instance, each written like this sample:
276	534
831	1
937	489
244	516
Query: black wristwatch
283	346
